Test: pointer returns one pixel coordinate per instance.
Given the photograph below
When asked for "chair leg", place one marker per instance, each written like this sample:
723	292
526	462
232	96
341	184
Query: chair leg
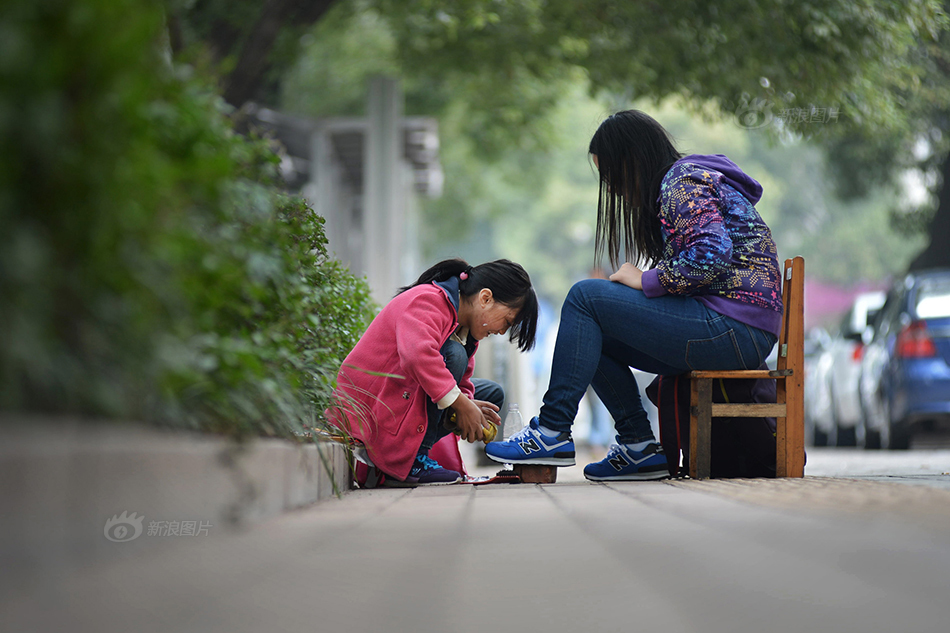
781	432
790	431
700	428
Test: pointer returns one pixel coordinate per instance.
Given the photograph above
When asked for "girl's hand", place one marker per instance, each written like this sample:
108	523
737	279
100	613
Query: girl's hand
471	418
490	411
629	275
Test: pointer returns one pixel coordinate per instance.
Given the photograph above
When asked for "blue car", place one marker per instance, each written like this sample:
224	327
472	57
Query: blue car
905	372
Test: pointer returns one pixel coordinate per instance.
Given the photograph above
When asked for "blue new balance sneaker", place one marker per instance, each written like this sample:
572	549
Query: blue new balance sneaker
625	464
531	446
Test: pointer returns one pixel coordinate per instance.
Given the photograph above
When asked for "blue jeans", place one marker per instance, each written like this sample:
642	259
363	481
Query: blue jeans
456	360
606	328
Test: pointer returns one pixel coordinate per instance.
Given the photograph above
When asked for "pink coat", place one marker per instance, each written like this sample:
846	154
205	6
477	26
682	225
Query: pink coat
388	412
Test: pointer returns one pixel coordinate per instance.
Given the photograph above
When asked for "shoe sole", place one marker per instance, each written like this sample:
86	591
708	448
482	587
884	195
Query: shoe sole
404	484
637	477
537	461
391	483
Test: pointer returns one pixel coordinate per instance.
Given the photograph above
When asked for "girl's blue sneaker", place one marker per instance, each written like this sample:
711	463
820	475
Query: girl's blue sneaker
531	446
625	464
425	471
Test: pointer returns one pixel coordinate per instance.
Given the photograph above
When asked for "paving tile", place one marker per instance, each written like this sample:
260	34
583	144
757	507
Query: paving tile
741	556
531	557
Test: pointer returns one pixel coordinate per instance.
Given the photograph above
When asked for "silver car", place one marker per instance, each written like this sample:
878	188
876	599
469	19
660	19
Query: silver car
840	367
817	396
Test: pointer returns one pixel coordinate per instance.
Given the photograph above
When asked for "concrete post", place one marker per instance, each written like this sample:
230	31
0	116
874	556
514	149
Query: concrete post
383	202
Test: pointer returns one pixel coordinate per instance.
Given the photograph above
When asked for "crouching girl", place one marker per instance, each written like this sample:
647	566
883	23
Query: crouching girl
412	368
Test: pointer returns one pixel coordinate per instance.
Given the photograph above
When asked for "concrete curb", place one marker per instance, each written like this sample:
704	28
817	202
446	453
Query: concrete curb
63	482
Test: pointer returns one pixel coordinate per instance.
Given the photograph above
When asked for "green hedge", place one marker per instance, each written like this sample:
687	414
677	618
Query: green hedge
149	266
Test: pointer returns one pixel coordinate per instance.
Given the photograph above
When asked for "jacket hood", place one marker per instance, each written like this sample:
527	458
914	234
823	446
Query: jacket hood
451	289
734	177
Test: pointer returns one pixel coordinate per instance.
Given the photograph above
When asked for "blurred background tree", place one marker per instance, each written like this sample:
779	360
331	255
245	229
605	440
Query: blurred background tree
830	94
912	154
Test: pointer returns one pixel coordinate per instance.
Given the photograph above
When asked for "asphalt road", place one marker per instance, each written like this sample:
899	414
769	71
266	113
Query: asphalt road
929	467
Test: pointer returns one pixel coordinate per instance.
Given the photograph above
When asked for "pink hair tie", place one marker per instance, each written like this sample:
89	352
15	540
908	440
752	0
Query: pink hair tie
463	276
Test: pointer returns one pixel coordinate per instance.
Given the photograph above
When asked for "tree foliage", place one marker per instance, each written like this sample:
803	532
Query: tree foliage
149	266
250	42
864	160
752	58
740	54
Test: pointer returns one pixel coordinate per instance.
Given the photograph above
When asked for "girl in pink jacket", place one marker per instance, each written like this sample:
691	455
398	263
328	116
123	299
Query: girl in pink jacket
412	368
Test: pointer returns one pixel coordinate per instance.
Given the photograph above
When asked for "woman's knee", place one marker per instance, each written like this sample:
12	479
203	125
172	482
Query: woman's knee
580	291
587	295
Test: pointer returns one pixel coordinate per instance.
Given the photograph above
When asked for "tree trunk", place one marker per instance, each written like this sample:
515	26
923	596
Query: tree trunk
244	82
175	41
937	253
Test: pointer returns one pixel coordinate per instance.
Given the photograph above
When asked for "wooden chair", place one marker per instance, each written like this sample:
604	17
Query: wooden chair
789	407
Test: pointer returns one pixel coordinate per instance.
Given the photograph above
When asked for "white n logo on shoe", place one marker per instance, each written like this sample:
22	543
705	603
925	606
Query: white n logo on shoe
529	446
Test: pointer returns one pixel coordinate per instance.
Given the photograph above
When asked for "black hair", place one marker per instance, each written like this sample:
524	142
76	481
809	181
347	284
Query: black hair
509	284
633	152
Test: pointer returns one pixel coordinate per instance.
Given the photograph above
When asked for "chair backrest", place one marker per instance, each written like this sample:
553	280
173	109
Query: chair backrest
792	337
790	433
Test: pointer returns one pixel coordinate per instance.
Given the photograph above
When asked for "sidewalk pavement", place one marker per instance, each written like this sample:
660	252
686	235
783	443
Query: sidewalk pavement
815	554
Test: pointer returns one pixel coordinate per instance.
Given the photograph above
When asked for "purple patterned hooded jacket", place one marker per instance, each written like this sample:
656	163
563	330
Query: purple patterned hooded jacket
718	249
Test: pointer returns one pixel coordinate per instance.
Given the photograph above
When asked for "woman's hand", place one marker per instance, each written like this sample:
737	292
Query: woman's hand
471	417
629	275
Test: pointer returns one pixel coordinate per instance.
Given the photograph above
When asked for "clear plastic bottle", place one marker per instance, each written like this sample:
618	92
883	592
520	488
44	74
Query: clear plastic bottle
513	420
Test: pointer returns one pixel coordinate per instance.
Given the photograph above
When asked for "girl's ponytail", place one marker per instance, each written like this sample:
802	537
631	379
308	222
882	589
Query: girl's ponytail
440	272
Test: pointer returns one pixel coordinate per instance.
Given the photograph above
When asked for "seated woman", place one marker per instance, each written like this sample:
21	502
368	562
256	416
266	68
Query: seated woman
413	366
712	299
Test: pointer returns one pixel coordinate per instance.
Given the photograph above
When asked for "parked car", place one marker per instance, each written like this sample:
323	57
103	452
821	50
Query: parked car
905	374
817	396
839	368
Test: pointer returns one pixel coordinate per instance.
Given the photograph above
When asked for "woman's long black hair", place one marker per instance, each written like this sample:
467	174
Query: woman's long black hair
509	284
633	152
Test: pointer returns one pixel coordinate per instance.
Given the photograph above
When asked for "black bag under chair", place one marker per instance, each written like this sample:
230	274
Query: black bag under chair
741	447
